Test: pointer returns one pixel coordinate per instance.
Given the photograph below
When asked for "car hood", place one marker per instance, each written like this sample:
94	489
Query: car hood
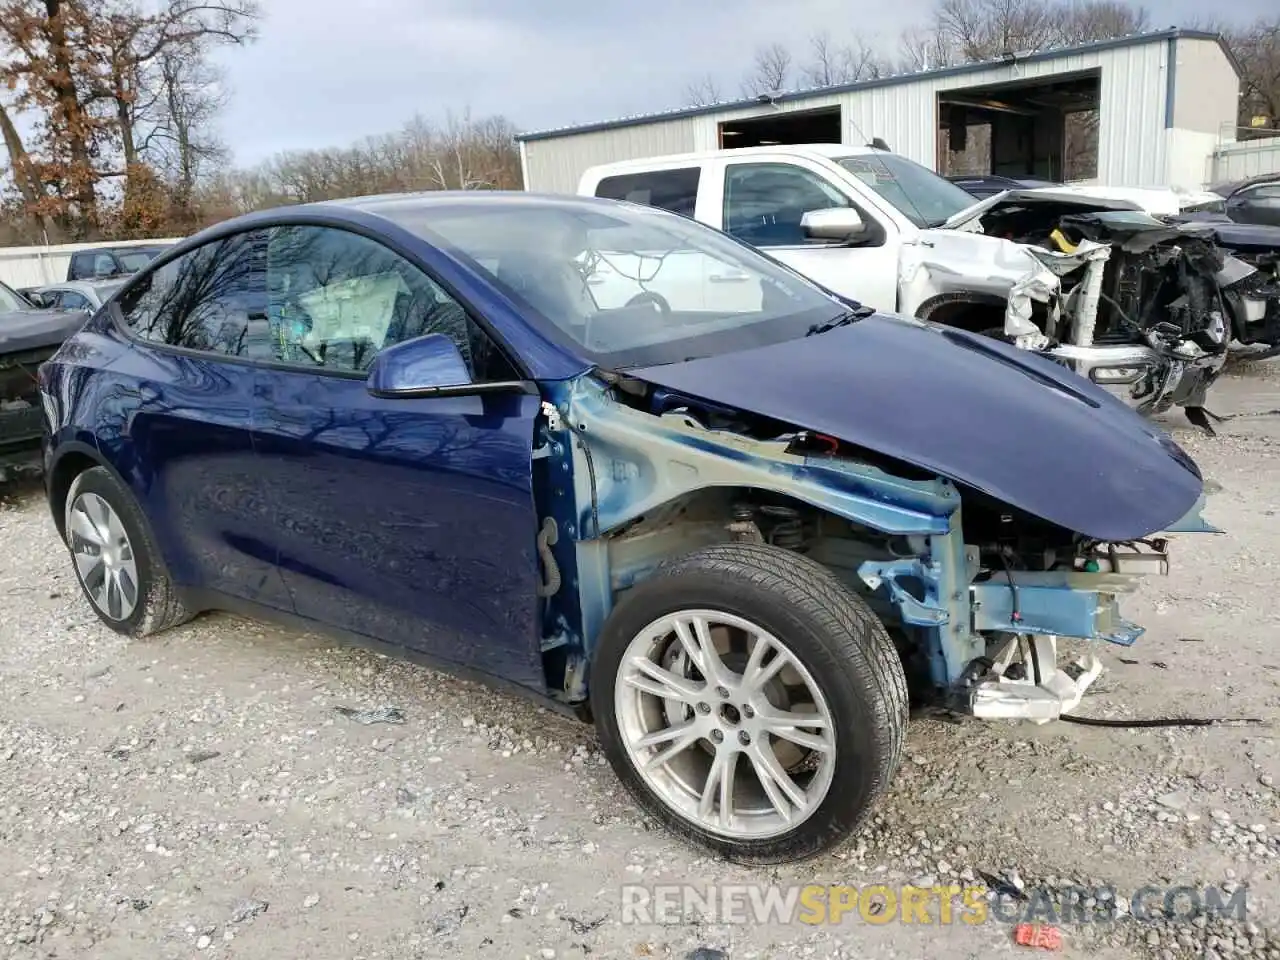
1252	237
1011	424
1060	196
32	329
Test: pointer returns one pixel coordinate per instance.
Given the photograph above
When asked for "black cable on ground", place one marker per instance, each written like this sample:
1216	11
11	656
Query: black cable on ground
1162	722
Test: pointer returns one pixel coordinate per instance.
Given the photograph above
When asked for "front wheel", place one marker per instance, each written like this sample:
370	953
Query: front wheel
750	701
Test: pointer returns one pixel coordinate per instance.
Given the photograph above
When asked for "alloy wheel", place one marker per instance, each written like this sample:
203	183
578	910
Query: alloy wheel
103	556
725	724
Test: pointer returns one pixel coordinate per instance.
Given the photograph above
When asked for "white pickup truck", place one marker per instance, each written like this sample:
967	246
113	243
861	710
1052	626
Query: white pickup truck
1093	281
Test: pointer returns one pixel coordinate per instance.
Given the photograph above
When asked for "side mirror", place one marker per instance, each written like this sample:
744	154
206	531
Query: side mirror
833	224
430	366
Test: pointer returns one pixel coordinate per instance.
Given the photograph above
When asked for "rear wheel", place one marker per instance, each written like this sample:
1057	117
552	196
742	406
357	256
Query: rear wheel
117	563
750	701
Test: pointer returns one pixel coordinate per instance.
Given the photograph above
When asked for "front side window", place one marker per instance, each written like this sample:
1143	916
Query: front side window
70	300
765	202
674	190
621	285
336	298
919	194
212	299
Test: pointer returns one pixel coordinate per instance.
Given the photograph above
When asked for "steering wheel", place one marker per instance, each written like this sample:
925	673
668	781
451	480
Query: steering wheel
655	300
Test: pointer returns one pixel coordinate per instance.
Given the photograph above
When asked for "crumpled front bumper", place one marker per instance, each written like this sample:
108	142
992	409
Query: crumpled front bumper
1147	378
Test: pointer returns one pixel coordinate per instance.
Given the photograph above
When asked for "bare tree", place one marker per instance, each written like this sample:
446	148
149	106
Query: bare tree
924	49
703	92
770	71
1257	47
832	63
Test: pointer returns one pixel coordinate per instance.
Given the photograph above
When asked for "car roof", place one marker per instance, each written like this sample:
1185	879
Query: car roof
1231	186
81	285
814	151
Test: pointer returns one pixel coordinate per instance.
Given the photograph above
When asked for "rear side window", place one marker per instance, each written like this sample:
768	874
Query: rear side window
213	299
674	190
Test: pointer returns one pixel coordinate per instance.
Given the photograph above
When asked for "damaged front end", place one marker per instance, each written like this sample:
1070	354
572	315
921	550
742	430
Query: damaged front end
1139	311
976	595
1250	282
21	426
867	449
1130	302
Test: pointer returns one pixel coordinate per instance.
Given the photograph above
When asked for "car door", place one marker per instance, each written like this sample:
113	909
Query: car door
1259	204
762	203
408	521
179	415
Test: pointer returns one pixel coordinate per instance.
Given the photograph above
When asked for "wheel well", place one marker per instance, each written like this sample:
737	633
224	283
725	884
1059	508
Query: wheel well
63	475
974	313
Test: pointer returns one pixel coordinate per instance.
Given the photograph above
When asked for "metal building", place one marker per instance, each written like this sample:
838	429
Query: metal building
1148	109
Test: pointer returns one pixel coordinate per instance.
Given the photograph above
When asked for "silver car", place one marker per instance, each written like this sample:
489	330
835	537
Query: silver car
86	295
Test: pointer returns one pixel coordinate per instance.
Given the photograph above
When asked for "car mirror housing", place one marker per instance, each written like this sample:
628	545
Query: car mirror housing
833	224
430	366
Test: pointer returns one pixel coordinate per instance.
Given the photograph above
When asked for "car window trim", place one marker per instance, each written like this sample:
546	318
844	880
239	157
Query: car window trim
121	325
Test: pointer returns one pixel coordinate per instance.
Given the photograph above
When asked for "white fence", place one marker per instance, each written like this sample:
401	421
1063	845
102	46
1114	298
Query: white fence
36	266
1247	158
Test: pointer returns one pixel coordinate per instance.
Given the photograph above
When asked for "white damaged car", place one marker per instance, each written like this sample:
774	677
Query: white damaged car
1098	284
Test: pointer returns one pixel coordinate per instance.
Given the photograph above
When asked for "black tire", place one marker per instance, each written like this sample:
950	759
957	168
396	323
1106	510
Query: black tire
158	607
835	635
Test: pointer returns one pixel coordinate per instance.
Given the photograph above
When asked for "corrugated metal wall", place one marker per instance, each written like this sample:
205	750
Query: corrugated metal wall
1131	139
37	266
554	166
1235	161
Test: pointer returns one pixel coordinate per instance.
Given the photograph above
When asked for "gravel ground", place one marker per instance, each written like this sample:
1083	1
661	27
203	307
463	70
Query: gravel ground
199	794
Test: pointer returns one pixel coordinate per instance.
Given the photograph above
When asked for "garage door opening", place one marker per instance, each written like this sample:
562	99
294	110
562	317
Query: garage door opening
800	126
1046	129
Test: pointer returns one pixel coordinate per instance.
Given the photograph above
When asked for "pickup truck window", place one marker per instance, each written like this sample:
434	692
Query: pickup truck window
923	197
764	202
674	190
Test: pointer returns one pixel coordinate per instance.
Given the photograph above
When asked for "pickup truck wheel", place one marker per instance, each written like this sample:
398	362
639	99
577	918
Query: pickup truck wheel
117	562
750	701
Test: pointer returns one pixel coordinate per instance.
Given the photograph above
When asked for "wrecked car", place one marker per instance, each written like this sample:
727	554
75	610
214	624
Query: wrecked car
1141	309
1250	276
1123	300
29	335
729	534
1250	282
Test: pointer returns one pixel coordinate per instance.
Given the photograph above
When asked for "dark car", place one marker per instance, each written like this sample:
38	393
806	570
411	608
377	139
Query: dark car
29	335
1253	200
729	532
104	262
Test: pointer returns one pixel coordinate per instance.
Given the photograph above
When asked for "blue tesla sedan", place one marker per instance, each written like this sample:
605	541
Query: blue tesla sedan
614	459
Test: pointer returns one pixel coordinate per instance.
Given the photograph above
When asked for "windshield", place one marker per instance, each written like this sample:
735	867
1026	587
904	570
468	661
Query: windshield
10	301
923	197
625	285
131	261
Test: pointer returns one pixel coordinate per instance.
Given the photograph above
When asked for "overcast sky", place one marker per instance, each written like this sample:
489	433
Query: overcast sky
327	72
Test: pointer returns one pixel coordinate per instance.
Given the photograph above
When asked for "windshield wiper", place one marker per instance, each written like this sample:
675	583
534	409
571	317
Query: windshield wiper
843	320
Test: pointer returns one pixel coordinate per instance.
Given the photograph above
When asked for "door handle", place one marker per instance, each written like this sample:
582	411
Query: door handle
595	281
729	278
